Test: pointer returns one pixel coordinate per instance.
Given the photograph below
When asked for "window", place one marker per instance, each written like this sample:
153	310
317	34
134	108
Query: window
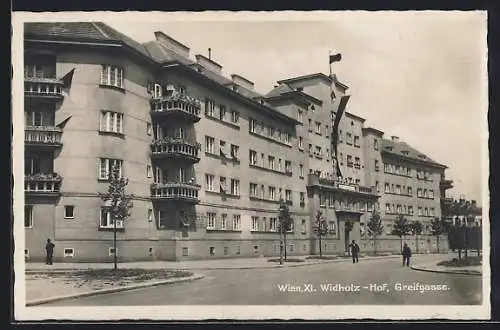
349	161
387	208
255	249
287	137
288	166
356	141
326	131
255	223
157	91
69	212
369	206
106	165
222	184
222	147
375	144
106	220
253	190
150	215
301	170
34	118
398	189
111	122
348	138
410	192
273	224
111	251
340	136
399	209
419	192
209	107
279	165
270	160
272	193
236	222
211	220
426	212
210	182
300	116
209	144
28	216
112	76
303	226
235	187
431	212
431	194
357	162
420	211
253	157
222	112
270	131
185	251
288	195
69	252
235	151
223	225
317	128
235	117
376	166
410	210
162	220
252	126
310	125
301	143
318	151
302	198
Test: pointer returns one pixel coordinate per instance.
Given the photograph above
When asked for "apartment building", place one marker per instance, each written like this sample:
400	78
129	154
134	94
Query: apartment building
207	157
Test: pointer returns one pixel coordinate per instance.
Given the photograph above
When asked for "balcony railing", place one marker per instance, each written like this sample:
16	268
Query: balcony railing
42	136
43	88
42	183
315	180
178	105
175	148
175	191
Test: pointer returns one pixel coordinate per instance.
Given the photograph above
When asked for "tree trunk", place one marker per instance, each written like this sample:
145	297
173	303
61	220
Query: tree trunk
459	254
437	242
320	251
416	242
281	247
374	245
284	237
115	257
401	243
465	242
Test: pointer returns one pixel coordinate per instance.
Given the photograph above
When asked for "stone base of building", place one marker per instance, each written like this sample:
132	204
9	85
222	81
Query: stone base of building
185	249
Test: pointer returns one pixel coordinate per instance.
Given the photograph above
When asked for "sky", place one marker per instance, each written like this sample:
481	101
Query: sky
420	76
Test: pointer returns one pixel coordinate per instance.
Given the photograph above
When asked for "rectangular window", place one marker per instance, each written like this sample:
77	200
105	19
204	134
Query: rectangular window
222	181
287	137
236	222
301	143
300	116
420	211
209	144
272	193
185	252
111	122
288	195
150	215
211	220
375	144
222	148
410	192
69	252
235	187
410	210
271	162
387	208
223	224
69	211
112	76
356	141
28	216
255	223
398	189
106	220
210	182
106	165
273	224
317	129
288	166
349	161
222	112
209	107
431	194
302	198
162	220
376	166
303	226
111	251
357	163
349	138
253	190
235	117
301	170
252	125
149	171
253	157
235	150
157	91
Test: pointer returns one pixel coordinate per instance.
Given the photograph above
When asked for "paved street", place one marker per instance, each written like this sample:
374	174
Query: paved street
269	287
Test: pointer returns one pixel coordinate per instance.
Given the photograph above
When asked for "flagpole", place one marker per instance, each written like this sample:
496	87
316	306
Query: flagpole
330	63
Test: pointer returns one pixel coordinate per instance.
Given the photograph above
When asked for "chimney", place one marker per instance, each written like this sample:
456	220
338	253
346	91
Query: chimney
395	138
242	81
172	44
209	64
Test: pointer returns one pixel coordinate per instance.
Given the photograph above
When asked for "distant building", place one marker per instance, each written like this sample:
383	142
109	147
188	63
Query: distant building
207	157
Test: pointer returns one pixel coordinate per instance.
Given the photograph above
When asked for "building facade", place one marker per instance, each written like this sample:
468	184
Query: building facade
207	157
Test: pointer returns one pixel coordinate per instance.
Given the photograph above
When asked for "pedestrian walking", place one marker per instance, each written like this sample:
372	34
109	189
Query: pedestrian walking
406	255
354	251
50	251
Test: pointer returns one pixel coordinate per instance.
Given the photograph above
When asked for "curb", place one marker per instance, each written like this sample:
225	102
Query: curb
113	290
442	271
298	264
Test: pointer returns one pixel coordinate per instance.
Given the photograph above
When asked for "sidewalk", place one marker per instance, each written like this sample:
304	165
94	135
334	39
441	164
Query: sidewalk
214	264
433	267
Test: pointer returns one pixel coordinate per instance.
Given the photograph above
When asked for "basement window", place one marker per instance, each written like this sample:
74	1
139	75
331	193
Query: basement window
69	252
111	251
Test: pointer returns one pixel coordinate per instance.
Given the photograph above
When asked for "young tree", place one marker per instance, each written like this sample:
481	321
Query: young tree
118	202
416	229
320	228
375	228
437	229
401	228
285	224
348	228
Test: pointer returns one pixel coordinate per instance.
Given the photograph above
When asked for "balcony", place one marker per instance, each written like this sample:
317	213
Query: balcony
177	149
446	184
175	191
42	136
44	88
177	106
42	184
332	184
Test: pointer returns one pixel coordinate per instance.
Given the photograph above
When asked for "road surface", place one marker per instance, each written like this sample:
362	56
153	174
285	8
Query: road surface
369	282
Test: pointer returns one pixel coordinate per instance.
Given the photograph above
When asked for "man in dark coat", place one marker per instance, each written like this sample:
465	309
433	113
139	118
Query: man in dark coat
406	255
354	251
50	251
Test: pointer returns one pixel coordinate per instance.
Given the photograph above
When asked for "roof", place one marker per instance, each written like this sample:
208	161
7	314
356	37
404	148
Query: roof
161	54
396	149
284	90
373	130
349	114
324	77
